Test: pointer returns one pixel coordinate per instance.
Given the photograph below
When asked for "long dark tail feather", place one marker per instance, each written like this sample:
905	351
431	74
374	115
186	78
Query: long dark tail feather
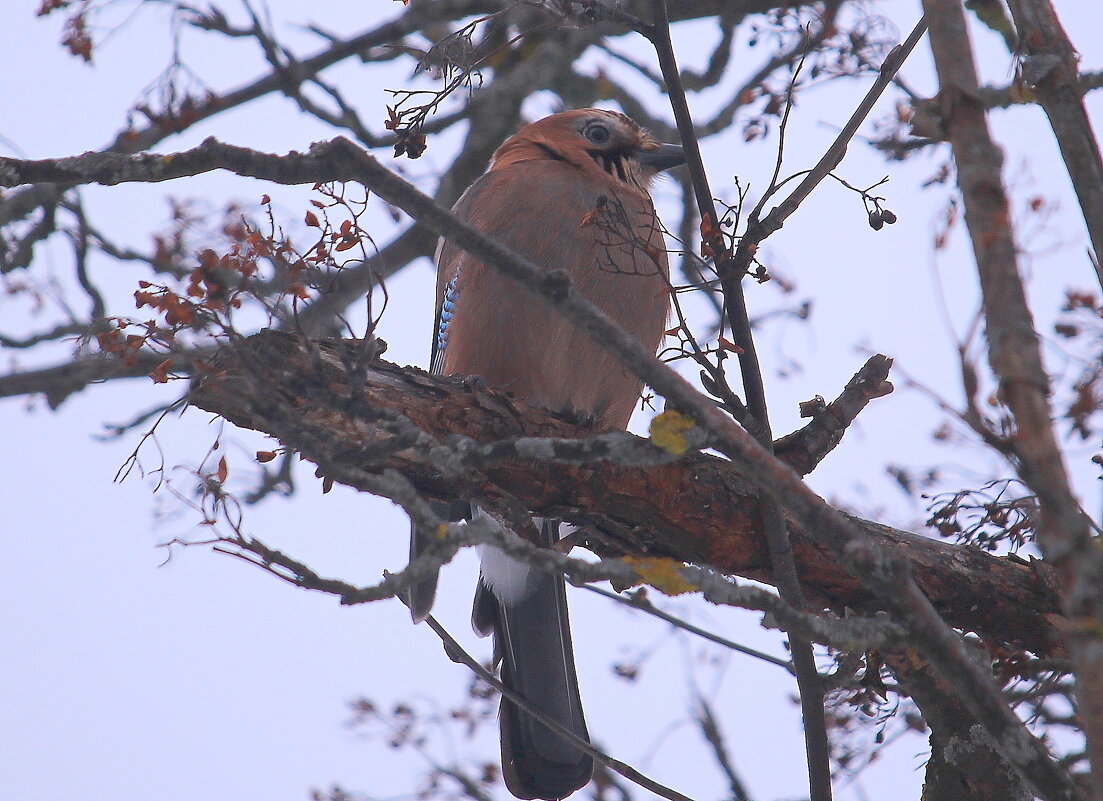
484	612
532	638
421	595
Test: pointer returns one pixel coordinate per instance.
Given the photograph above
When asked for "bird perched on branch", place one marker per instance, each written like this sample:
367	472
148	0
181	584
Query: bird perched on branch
570	193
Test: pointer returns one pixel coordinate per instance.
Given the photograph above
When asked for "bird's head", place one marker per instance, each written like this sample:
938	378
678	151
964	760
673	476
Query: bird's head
592	140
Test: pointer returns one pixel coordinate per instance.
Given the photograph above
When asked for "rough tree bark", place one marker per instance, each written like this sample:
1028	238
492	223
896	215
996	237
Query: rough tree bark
696	509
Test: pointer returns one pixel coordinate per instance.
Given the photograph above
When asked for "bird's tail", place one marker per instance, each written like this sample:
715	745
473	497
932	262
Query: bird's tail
526	610
421	595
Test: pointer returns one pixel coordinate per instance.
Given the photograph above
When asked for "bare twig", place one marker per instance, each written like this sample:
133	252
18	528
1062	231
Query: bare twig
642	603
722	120
758	230
710	730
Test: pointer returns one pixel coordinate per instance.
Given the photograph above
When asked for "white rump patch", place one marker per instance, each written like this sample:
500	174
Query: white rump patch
507	577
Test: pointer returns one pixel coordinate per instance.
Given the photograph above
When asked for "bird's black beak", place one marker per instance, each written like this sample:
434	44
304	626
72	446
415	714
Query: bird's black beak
661	158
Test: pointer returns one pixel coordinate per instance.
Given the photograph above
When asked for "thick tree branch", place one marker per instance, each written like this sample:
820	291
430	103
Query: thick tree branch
60	381
964	765
1014	353
697	509
1050	67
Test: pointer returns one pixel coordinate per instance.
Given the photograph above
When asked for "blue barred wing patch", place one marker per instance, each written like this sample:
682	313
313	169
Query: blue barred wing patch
444	317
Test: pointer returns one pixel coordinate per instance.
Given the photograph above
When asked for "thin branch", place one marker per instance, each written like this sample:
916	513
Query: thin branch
807	446
827	28
60	381
60	331
642	603
710	730
80	246
22	203
995	97
1050	67
457	654
843	633
809	682
758	230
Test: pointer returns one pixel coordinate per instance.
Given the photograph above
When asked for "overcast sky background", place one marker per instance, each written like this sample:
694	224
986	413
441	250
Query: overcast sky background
203	678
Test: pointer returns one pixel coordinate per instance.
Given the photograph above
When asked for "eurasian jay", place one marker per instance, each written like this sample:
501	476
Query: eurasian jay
570	192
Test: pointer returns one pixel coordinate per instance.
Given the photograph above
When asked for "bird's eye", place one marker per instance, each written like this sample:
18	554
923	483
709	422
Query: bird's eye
597	133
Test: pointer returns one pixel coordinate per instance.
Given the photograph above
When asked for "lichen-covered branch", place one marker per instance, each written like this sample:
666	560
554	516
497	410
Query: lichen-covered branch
698	508
964	765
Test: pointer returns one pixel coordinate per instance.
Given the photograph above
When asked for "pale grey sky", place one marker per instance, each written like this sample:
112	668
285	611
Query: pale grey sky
205	679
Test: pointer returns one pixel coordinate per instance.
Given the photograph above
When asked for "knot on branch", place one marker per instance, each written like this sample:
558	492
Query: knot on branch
556	285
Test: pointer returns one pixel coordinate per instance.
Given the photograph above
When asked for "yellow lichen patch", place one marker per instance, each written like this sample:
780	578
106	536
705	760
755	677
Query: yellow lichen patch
662	574
668	431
